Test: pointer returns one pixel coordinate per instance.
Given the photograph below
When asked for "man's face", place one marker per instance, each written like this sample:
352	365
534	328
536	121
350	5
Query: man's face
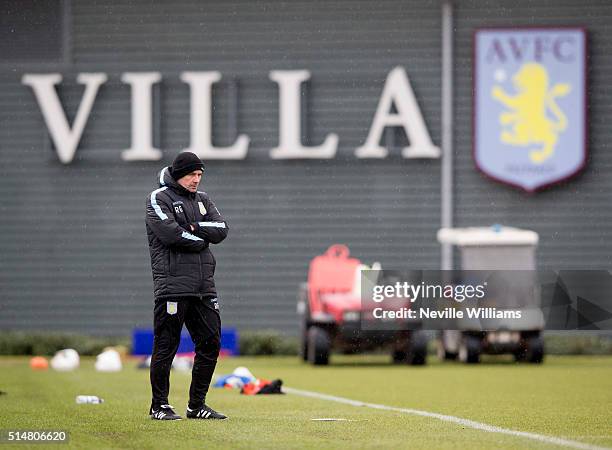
191	180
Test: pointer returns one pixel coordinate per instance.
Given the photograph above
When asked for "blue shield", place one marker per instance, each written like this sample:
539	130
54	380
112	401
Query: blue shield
530	105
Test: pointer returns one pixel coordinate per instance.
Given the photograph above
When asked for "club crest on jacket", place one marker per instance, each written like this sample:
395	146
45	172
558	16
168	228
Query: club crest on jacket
171	308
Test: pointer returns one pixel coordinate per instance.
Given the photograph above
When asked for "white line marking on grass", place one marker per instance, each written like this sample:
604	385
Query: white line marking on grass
329	419
458	420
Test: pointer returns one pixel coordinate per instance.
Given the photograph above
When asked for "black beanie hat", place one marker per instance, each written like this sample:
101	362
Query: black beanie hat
184	163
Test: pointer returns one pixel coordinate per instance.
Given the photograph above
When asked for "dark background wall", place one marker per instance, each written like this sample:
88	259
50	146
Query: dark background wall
74	253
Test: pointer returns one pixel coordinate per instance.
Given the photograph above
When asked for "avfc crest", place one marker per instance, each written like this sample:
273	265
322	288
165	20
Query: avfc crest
530	105
171	308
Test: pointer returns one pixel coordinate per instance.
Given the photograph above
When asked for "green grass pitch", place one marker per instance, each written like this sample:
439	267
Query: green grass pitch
568	397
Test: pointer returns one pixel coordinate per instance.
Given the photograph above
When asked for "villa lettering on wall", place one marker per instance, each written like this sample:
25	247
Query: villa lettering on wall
397	92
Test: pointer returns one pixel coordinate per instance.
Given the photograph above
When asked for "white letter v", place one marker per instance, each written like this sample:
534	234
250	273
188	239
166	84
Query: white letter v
64	138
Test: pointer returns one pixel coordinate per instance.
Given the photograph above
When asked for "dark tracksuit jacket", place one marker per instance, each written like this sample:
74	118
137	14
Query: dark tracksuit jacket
181	260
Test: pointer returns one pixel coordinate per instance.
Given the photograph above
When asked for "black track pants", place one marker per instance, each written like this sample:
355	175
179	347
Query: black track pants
201	316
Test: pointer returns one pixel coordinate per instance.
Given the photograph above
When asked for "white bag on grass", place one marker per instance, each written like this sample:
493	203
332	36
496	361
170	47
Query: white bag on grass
65	360
108	361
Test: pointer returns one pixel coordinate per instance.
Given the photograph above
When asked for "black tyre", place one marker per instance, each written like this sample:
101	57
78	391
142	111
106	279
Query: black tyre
531	349
521	353
304	346
399	357
535	350
318	346
417	354
413	350
304	315
470	349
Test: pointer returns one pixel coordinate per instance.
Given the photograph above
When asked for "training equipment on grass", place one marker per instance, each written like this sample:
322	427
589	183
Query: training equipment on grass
91	399
39	363
108	361
65	360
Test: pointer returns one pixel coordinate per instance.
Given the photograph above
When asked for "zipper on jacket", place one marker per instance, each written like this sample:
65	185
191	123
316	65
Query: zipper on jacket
195	219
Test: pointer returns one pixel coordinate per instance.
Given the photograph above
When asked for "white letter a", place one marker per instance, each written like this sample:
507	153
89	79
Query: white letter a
398	92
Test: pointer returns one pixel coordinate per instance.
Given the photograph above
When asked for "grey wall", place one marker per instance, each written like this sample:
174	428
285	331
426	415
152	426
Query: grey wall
74	253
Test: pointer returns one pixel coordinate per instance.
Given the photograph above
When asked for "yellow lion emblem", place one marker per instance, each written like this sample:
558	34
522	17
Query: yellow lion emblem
528	111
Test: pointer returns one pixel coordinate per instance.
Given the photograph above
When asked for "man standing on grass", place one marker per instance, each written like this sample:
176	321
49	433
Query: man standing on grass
181	223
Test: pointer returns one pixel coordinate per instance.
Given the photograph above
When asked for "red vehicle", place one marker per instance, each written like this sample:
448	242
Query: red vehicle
331	312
